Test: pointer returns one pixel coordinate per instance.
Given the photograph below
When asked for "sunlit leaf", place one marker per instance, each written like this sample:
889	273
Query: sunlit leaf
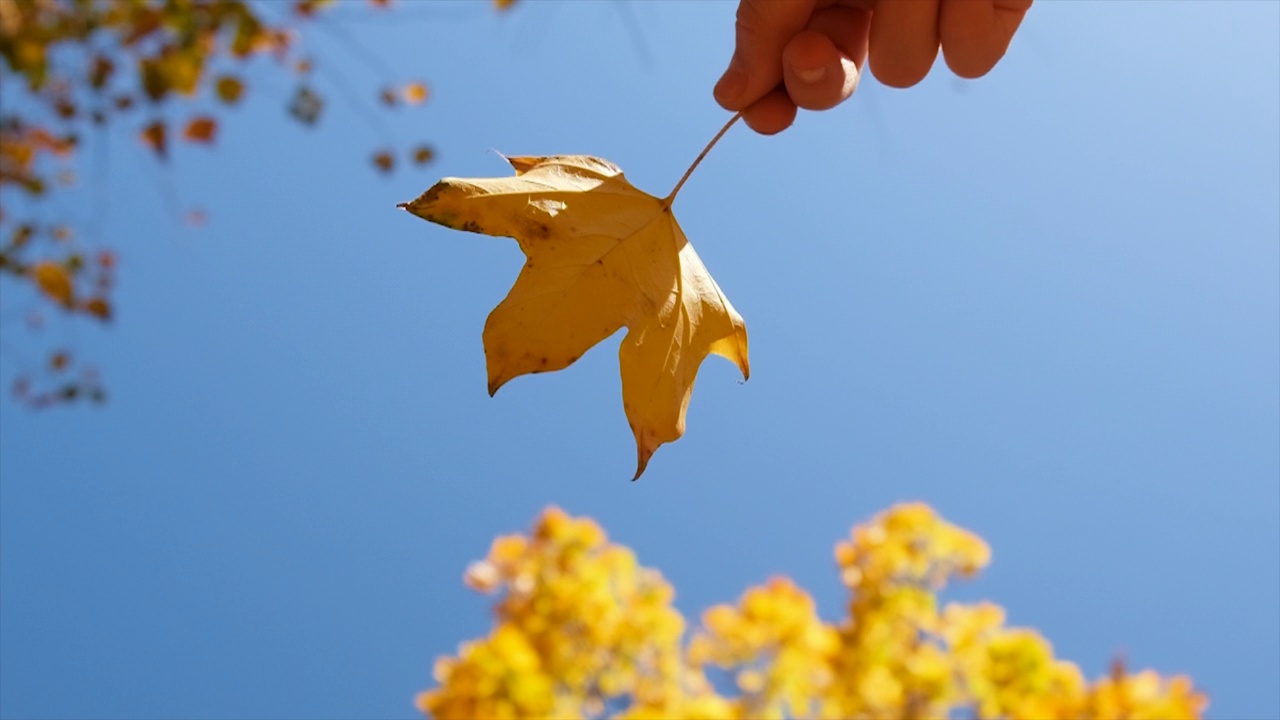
182	70
200	129
415	93
54	281
601	255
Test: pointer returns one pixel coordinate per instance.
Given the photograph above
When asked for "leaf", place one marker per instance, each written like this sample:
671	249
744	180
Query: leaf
384	161
100	71
155	136
54	281
98	307
415	93
229	89
155	83
200	129
601	255
423	154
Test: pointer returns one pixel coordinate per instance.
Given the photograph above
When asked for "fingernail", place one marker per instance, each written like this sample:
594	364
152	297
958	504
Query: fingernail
812	75
732	83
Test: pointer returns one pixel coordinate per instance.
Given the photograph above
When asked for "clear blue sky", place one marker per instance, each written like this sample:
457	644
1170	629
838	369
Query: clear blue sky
1046	302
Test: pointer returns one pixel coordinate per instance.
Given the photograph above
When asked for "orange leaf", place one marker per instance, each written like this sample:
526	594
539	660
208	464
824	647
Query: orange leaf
415	93
423	154
384	161
503	4
98	307
59	360
156	137
54	281
200	129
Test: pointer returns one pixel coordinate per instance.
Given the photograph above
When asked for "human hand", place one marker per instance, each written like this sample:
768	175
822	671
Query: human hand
809	53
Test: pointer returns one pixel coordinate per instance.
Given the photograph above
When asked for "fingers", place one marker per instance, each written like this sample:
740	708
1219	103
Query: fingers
904	40
809	53
772	113
975	33
821	67
821	64
763	30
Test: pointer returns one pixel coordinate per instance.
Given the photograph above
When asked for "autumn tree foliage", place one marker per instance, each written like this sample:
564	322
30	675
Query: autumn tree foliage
583	630
162	69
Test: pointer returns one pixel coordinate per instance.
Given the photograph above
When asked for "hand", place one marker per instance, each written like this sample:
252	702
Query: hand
809	53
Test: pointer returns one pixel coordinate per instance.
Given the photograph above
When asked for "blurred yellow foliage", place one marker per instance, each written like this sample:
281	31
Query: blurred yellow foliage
584	631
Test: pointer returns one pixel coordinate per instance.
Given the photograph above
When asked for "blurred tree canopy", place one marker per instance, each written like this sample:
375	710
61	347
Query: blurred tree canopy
75	66
582	630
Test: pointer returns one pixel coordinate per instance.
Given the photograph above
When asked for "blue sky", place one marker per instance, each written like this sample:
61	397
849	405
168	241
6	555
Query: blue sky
1045	302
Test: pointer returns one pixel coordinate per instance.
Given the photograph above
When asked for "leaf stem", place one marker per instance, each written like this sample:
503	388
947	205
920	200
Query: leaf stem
666	202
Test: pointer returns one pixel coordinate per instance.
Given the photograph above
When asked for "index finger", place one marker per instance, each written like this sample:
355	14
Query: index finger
976	33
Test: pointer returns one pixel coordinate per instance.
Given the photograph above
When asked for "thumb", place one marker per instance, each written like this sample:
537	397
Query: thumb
763	29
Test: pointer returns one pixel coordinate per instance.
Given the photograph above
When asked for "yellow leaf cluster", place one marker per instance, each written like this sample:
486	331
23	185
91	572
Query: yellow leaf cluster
584	631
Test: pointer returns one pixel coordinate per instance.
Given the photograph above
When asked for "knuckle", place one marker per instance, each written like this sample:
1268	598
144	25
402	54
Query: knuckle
751	17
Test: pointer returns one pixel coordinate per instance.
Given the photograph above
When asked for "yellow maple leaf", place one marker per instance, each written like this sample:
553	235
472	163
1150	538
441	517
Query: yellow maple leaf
601	255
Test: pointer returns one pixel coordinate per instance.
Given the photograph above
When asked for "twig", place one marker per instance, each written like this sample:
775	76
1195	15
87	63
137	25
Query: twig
666	202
